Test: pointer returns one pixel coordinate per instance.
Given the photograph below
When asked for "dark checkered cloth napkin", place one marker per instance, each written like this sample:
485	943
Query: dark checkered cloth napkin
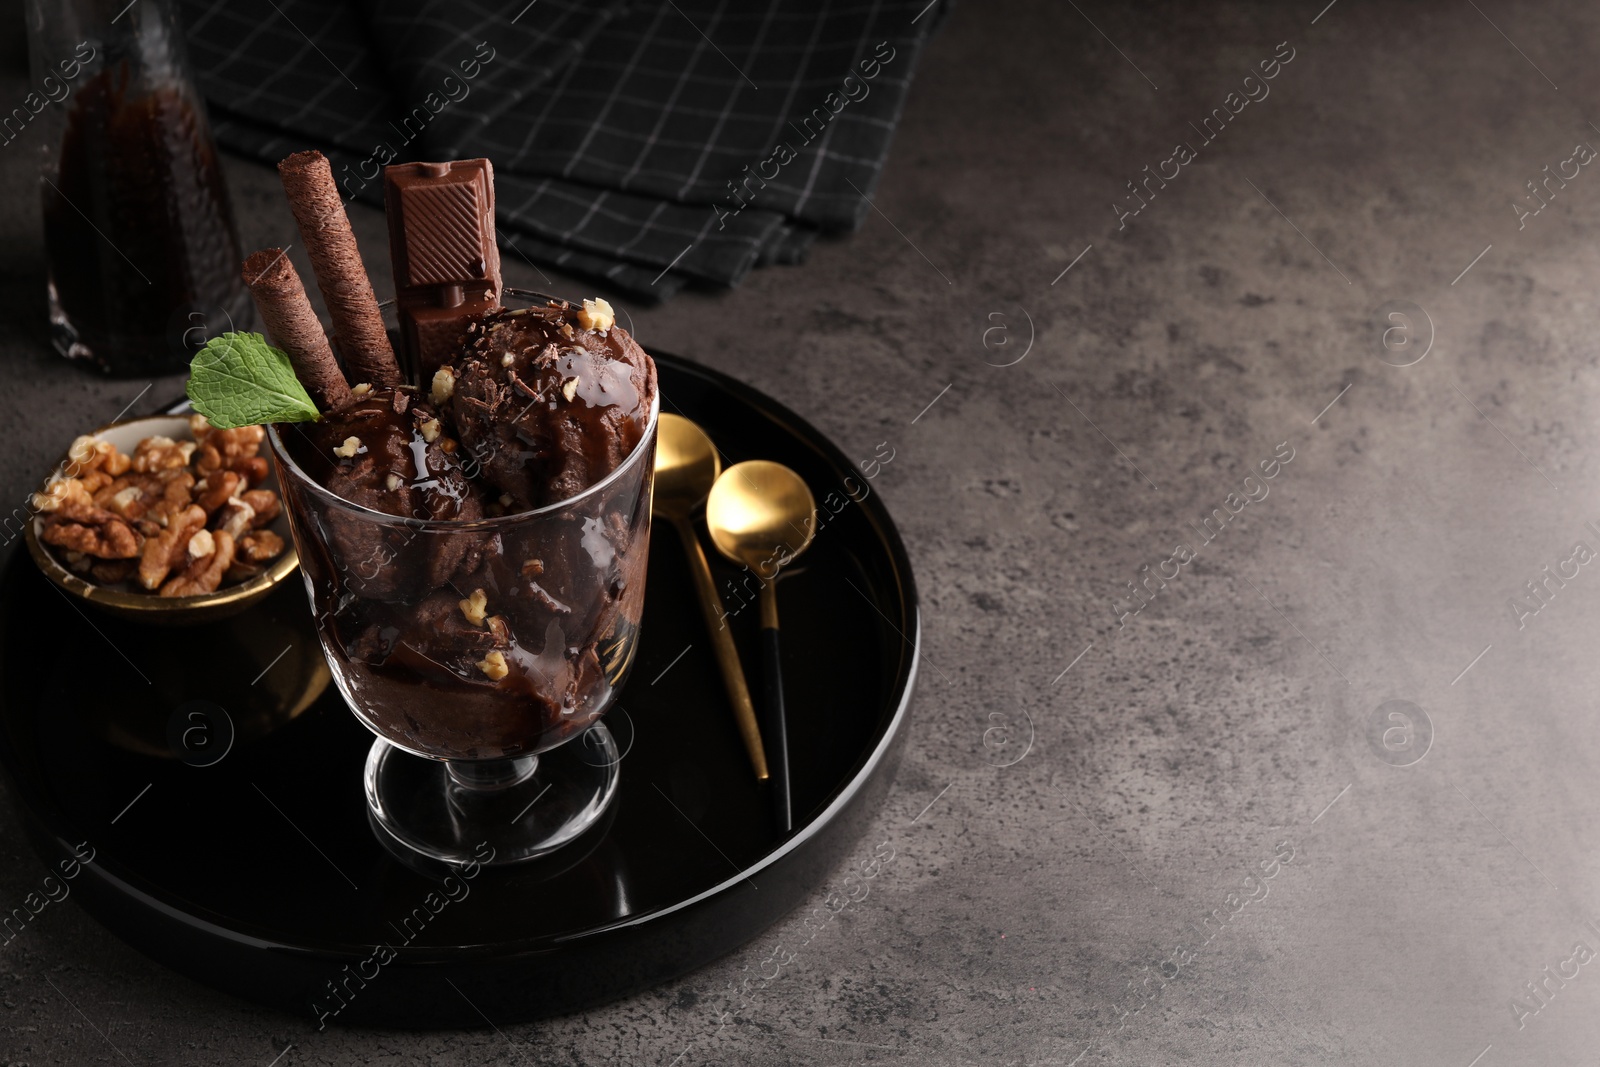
647	145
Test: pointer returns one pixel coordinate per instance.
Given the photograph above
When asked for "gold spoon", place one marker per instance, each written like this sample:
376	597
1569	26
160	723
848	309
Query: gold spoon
761	514
687	466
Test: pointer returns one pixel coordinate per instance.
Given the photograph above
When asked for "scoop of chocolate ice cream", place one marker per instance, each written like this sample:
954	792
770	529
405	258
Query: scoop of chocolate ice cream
545	407
389	453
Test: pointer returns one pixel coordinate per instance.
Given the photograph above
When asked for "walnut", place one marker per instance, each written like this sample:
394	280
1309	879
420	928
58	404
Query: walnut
360	390
219	487
443	386
167	549
475	607
253	469
240	442
59	491
499	628
265	503
494	666
201	544
569	388
207	458
95	480
162	453
203	575
596	315
199	427
236	517
351	446
90	530
430	430
128	502
177	493
258	546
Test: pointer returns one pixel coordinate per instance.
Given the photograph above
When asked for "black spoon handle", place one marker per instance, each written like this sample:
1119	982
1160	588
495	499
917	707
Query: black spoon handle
773	729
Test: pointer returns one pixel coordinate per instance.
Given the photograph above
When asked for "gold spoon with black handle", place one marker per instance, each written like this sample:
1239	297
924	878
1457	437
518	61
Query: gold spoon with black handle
762	514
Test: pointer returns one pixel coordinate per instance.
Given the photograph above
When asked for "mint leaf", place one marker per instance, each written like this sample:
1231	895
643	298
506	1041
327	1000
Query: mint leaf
240	380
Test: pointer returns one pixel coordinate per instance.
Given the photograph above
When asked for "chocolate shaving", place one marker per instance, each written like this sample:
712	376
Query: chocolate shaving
336	261
293	326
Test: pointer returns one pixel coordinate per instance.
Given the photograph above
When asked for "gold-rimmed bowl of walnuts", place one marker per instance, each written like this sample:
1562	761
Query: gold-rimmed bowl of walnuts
163	519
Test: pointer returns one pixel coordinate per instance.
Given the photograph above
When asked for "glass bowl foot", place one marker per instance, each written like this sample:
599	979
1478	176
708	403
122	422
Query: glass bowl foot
492	812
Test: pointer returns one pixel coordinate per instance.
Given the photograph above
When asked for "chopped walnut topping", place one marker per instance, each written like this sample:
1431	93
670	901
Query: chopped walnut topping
361	390
494	666
430	430
394	481
443	386
596	315
475	607
508	359
351	446
569	388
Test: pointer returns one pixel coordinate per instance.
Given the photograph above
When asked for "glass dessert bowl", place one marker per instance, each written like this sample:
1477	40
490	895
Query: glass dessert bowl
483	645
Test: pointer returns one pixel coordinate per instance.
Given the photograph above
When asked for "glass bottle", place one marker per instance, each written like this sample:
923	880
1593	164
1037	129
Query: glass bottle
140	243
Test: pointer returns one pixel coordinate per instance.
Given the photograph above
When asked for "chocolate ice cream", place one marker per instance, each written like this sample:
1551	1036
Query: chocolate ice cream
548	400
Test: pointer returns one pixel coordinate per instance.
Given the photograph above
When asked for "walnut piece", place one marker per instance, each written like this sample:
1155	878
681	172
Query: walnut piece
167	549
61	491
475	607
202	544
351	446
443	386
569	388
236	517
90	530
494	666
265	504
596	315
159	453
218	489
257	546
203	575
430	430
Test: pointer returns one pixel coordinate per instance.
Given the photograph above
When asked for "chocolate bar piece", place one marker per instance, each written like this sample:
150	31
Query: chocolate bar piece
446	262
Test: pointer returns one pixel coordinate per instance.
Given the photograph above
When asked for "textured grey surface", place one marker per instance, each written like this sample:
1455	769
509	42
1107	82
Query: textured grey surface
1240	709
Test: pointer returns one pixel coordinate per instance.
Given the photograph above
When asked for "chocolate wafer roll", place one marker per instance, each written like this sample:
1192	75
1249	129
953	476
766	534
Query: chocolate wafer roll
292	325
336	261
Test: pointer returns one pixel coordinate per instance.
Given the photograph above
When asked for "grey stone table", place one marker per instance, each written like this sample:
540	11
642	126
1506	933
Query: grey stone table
1225	844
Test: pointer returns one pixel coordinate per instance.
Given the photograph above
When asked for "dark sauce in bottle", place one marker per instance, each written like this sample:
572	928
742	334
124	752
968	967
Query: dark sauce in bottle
139	234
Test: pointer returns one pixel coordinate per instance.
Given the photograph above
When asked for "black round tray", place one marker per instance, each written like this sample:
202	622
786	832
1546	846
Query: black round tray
259	875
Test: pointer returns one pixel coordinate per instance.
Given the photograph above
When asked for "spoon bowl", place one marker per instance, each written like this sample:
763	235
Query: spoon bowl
761	514
687	466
